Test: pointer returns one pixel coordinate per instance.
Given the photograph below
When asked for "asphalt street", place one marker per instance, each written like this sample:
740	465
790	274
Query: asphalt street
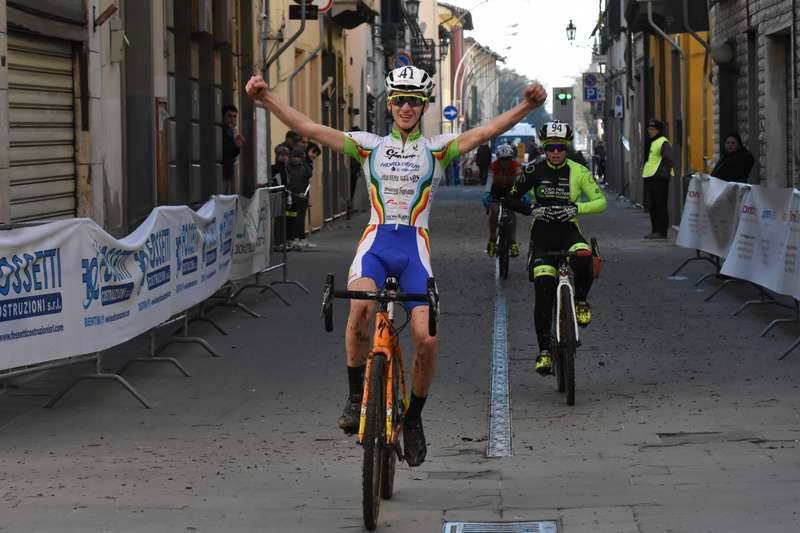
684	419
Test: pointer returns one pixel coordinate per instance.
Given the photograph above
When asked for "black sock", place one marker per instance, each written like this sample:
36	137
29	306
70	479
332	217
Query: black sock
415	407
355	378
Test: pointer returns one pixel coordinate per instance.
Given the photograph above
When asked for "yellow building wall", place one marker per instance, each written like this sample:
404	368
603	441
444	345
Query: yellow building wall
306	84
699	112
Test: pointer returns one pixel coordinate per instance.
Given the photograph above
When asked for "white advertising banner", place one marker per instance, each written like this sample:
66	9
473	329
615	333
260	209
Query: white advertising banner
710	214
253	239
68	288
764	249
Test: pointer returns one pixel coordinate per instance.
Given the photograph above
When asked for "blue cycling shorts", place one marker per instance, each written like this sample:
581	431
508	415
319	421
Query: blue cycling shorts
394	250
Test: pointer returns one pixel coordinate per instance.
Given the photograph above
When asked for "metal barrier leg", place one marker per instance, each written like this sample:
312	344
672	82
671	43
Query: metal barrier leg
185	338
291	282
790	350
705	277
100	375
777	321
765	299
698	257
272	289
723	285
202	317
154	358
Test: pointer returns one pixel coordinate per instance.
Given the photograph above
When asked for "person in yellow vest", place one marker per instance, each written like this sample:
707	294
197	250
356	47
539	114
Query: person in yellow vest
658	169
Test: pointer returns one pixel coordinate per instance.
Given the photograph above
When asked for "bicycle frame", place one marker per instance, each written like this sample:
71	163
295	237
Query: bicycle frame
387	343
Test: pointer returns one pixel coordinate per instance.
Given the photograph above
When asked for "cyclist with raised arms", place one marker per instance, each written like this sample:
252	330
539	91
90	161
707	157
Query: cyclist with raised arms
503	172
556	186
402	172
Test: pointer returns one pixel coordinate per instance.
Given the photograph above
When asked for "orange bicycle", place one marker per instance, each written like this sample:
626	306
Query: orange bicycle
385	397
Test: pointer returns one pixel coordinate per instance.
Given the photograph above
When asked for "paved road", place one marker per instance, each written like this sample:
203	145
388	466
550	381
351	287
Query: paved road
684	422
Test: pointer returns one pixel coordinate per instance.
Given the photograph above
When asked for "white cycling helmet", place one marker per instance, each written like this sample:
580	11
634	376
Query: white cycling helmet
555	131
409	79
505	150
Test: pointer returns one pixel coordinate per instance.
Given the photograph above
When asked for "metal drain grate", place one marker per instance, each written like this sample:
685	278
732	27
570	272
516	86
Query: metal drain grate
501	527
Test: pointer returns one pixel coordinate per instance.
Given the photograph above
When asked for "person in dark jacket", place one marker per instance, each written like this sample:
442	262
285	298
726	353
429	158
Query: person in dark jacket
659	164
232	142
483	158
736	162
299	174
280	177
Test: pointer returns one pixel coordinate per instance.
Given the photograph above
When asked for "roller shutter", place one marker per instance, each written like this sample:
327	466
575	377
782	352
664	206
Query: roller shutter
41	127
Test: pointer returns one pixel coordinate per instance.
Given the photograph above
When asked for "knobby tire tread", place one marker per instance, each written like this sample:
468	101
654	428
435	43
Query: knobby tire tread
374	443
568	344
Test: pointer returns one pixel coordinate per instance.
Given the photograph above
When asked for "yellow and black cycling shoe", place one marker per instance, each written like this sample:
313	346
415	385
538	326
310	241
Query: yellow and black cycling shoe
583	314
544	363
514	252
491	249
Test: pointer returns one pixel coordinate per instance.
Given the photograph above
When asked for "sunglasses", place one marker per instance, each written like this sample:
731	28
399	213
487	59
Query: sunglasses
411	99
555	148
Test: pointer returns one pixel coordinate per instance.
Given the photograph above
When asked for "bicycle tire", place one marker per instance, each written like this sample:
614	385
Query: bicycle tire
568	343
390	455
502	257
374	443
558	367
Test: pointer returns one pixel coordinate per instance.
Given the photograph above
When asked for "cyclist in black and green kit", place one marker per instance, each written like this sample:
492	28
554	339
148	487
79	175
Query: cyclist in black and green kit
556	186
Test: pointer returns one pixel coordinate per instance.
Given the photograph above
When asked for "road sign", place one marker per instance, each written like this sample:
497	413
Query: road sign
593	87
321	5
450	112
402	59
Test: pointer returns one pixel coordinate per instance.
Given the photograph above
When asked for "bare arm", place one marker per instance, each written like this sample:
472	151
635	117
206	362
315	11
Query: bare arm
332	138
535	96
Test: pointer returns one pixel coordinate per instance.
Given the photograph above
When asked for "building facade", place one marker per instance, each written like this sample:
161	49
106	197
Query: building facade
755	46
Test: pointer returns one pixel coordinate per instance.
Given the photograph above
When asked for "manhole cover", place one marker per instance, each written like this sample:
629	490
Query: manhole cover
501	527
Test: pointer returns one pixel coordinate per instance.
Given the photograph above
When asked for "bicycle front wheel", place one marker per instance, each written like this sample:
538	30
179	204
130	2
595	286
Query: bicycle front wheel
567	343
374	442
390	455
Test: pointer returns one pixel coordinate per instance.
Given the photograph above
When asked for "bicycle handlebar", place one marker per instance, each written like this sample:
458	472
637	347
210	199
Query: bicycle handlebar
431	297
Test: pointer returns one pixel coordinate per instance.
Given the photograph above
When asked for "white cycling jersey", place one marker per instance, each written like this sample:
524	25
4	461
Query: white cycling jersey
401	178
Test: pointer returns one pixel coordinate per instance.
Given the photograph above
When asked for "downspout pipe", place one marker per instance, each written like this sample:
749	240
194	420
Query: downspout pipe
314	53
706	80
684	86
269	61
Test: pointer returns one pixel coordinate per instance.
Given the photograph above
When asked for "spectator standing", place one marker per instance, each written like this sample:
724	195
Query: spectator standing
483	158
232	142
658	169
299	176
736	162
290	139
280	177
600	162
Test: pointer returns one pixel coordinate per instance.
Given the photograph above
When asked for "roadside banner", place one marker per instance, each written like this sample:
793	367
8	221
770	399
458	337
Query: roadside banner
710	214
764	250
253	238
69	288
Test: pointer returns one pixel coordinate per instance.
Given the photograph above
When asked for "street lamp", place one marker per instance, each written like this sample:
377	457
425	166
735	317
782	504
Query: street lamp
412	8
571	29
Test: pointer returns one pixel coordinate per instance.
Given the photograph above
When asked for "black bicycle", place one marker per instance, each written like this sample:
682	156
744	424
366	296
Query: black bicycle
385	398
504	238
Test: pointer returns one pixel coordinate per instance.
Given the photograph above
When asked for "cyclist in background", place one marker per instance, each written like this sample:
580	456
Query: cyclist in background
556	186
402	172
503	172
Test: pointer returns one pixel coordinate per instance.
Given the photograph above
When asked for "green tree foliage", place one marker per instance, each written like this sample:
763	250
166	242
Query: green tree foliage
511	85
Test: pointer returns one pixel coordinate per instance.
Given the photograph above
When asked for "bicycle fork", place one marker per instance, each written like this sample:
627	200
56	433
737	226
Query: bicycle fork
386	345
563	281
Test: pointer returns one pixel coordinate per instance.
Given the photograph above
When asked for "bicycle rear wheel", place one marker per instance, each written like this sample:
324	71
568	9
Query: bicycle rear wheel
502	257
374	442
568	343
390	455
558	366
